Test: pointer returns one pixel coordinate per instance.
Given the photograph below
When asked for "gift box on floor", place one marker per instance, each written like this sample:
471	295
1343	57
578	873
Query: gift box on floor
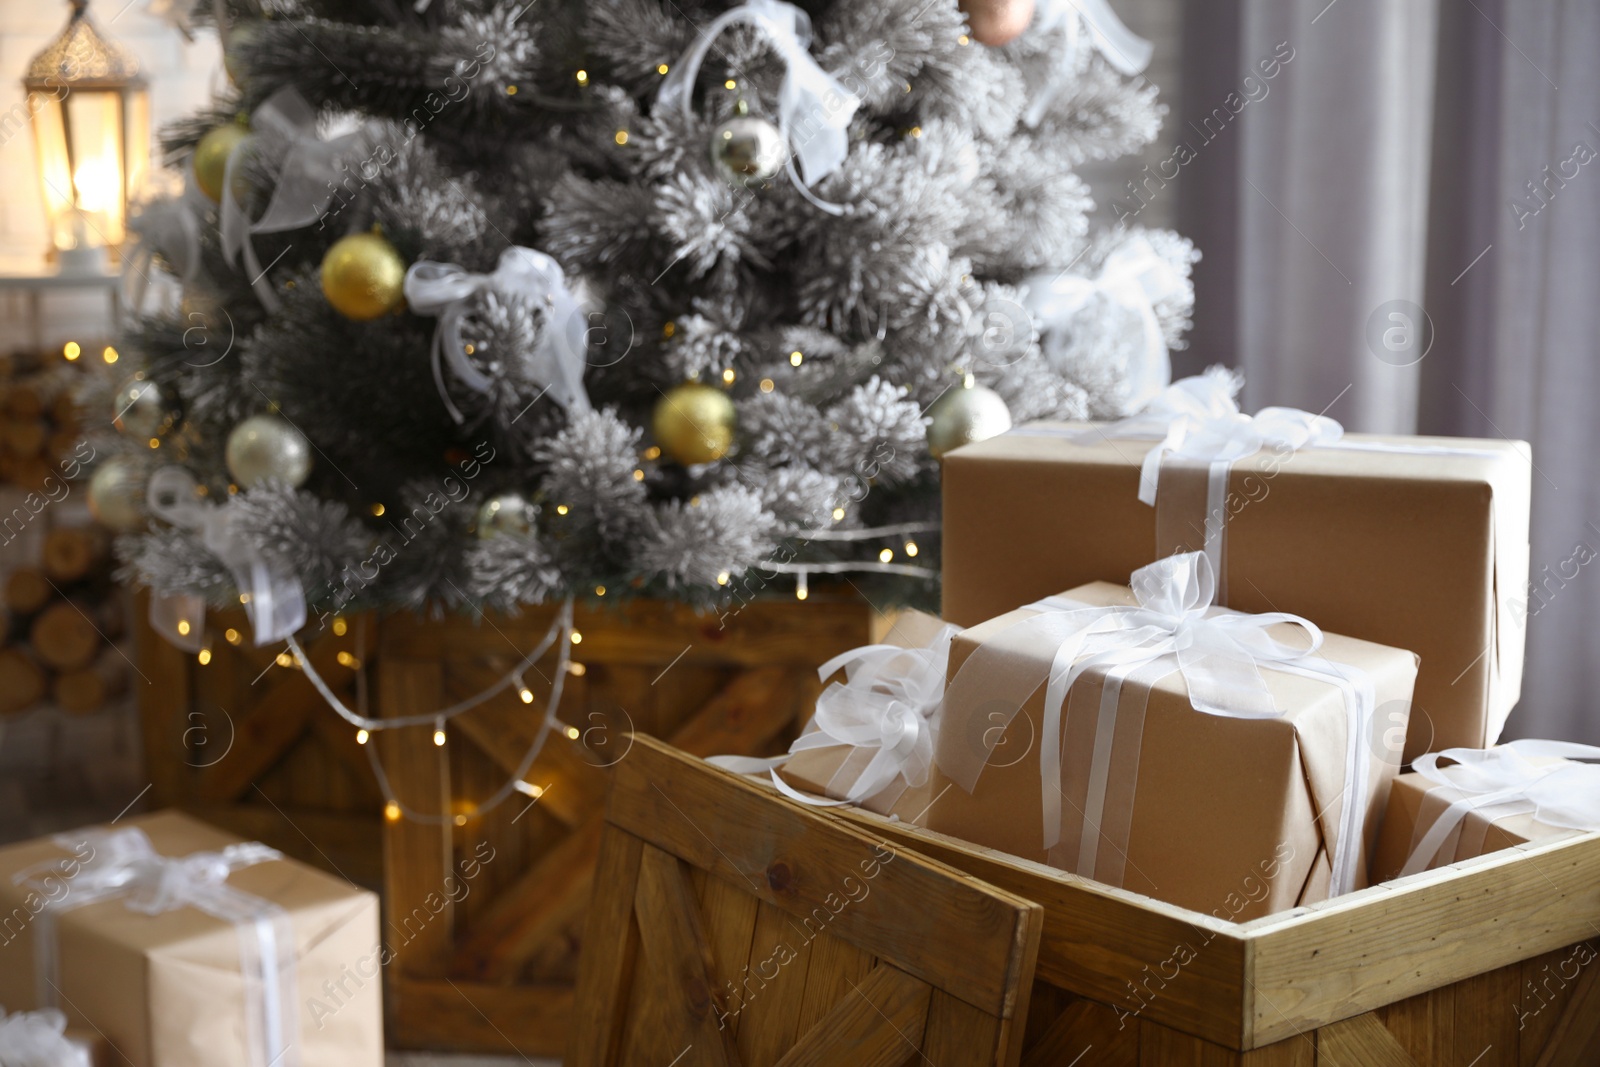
184	946
1417	543
1484	801
1269	800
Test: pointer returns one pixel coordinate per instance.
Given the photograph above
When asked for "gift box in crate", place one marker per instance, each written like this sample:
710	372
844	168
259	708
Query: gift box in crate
183	945
1417	543
1462	803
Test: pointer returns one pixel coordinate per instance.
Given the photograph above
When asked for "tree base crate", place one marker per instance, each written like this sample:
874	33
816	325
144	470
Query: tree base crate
1490	962
485	908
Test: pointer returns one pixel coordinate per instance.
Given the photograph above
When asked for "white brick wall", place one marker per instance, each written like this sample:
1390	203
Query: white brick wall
182	76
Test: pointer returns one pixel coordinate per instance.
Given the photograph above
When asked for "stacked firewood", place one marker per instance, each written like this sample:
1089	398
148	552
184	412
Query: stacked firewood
62	613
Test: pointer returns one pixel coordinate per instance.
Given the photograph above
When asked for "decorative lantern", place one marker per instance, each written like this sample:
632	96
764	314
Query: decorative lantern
91	126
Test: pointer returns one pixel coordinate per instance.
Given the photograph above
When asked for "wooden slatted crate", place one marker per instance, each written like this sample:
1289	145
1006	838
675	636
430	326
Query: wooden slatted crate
731	928
1491	962
485	914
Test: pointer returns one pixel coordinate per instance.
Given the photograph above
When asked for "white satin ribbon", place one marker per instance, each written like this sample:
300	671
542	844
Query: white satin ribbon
1219	653
1133	276
39	1039
172	228
305	187
125	866
1504	781
1123	49
814	107
888	704
275	602
556	363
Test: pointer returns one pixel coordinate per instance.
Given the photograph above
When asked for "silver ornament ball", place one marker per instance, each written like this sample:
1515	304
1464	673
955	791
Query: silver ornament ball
964	416
268	446
748	150
141	409
506	513
116	495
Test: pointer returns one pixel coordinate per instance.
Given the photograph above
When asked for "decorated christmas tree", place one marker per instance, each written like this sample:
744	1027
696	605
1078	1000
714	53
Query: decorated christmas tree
494	303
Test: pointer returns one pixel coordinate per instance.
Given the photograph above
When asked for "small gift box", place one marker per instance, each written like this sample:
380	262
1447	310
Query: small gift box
1483	801
1417	543
1224	762
185	946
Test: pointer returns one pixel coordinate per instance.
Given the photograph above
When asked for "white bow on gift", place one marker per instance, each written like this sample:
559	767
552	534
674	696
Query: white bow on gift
274	601
124	865
814	107
39	1039
557	362
1504	781
1133	276
888	703
1123	49
306	185
1219	654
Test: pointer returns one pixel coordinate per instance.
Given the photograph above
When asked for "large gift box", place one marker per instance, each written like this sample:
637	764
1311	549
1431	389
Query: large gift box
1485	801
1070	735
186	947
1419	543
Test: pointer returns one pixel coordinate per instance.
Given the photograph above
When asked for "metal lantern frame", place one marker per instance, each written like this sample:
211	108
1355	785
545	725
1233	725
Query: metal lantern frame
90	110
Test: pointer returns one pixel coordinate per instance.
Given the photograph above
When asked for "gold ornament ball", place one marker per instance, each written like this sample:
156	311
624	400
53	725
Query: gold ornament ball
211	158
964	416
116	495
363	277
506	513
268	446
998	22
748	150
240	34
693	423
141	409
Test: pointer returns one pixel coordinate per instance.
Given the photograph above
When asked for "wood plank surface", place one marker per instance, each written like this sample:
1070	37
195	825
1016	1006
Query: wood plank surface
606	975
452	1016
738	830
1362	1041
1575	1040
880	1024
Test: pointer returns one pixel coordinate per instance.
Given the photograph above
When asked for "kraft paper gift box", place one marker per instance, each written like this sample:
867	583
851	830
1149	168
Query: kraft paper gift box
833	770
1236	817
1424	550
1497	810
170	989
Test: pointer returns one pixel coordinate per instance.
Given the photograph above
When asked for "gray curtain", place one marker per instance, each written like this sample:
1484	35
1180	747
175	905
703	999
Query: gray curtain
1406	232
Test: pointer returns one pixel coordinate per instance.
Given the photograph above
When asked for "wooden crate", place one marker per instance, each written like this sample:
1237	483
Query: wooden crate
485	918
245	743
732	928
1487	963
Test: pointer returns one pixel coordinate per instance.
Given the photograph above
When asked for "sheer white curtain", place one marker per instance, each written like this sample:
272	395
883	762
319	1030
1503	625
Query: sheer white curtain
1440	162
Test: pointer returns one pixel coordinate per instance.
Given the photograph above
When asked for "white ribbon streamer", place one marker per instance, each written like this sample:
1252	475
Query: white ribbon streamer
1505	781
275	602
1123	49
305	187
888	704
814	107
557	361
1134	277
125	866
1219	653
172	228
39	1039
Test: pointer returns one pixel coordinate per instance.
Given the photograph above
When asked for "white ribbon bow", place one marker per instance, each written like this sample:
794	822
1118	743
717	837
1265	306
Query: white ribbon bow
1505	781
124	865
275	602
814	107
170	226
556	363
1123	49
1219	653
888	703
1133	276
305	187
39	1039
